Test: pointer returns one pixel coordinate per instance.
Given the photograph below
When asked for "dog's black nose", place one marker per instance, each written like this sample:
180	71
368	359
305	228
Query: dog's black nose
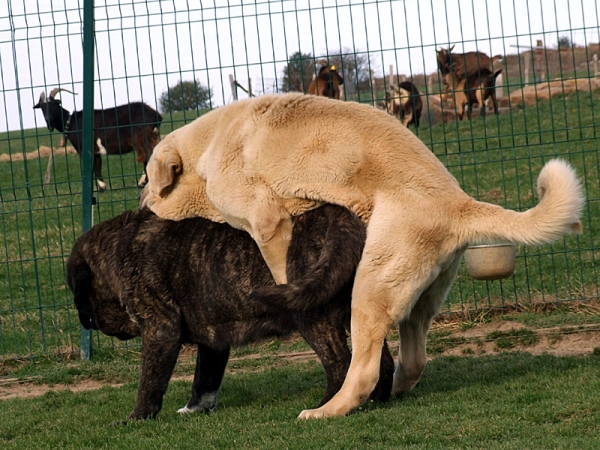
87	321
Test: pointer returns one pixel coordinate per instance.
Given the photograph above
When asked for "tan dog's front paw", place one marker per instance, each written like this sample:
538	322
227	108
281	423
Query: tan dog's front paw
312	414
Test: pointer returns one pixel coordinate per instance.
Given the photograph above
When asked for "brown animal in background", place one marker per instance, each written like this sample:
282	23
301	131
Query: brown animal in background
474	90
464	64
327	83
404	102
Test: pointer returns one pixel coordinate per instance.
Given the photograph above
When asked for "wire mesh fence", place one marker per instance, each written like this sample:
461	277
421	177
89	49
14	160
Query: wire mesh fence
185	58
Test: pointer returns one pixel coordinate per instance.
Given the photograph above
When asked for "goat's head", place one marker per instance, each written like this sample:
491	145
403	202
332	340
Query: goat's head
444	60
54	114
330	72
327	82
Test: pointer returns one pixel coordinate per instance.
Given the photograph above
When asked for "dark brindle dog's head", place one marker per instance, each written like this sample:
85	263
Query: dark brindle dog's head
97	298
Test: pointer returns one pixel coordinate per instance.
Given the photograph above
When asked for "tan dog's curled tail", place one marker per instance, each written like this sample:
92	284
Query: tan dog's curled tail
558	212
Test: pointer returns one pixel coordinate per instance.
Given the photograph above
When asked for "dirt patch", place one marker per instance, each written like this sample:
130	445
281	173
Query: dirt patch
483	339
24	389
486	328
530	95
497	337
28	388
42	152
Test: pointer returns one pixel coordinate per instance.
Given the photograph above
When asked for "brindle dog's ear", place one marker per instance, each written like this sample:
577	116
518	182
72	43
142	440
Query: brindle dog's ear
168	173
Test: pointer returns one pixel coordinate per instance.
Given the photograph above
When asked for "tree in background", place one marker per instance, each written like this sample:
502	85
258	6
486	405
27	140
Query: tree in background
298	73
564	43
185	96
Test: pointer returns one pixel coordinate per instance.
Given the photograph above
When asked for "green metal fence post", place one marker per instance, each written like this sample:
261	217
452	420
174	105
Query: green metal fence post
88	140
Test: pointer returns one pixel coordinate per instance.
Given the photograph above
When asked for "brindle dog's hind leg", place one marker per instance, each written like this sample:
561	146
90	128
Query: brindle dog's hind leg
210	368
326	334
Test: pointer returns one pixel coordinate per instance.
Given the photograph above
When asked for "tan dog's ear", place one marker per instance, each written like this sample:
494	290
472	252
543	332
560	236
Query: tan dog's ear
168	173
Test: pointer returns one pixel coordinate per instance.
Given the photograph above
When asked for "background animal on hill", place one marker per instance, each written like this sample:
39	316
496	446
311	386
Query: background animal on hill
118	130
474	90
327	82
464	64
404	102
260	161
190	281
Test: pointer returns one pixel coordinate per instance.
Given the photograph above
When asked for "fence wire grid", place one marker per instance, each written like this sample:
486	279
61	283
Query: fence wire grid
184	58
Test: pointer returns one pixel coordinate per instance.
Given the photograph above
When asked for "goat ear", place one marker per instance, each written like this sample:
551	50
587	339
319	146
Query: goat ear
169	172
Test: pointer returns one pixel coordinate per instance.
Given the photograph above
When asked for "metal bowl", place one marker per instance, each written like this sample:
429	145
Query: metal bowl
491	262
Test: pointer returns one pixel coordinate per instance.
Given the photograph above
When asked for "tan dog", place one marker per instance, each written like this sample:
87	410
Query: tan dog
267	158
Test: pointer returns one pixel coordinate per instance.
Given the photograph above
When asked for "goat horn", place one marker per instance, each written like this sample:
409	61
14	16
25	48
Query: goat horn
55	91
42	97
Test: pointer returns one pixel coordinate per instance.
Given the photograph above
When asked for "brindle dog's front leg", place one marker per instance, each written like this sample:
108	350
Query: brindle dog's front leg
210	368
160	349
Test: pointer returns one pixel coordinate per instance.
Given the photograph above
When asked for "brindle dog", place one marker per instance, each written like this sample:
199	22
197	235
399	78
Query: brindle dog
191	282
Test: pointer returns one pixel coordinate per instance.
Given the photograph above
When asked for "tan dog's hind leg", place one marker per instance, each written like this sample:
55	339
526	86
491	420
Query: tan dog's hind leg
385	289
412	357
368	331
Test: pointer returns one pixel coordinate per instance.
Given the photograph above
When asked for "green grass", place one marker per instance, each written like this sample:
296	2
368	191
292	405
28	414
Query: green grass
496	159
511	400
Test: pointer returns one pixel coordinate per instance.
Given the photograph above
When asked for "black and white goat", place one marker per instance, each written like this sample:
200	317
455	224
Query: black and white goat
118	130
